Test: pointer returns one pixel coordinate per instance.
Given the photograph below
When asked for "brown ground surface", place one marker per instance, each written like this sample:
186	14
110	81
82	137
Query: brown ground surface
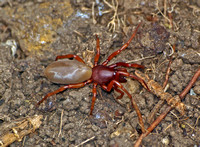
44	29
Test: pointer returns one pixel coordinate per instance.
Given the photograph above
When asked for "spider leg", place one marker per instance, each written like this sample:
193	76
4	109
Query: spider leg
70	56
110	86
94	91
96	58
120	96
122	48
116	88
70	86
126	65
119	91
126	74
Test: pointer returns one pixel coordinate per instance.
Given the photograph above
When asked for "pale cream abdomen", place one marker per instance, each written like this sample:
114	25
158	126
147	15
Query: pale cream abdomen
67	71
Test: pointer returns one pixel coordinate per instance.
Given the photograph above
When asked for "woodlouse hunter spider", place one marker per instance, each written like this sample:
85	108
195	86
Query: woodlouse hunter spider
77	74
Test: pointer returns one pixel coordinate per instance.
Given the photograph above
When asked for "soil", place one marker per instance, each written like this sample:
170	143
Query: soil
40	30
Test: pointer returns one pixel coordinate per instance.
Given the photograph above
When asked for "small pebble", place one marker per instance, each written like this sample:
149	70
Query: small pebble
165	141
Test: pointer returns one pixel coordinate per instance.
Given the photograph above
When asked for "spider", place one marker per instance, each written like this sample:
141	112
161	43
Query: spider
77	74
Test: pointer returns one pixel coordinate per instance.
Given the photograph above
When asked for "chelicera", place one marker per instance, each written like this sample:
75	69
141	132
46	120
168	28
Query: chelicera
76	74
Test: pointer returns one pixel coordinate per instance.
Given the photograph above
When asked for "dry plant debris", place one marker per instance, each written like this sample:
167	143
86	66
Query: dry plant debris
168	109
114	7
20	129
158	90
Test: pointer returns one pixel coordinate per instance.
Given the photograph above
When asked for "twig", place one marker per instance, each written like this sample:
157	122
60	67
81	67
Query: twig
161	102
78	33
188	87
167	73
159	91
140	59
193	128
20	129
60	131
93	14
168	109
197	121
155	110
167	127
85	141
139	115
